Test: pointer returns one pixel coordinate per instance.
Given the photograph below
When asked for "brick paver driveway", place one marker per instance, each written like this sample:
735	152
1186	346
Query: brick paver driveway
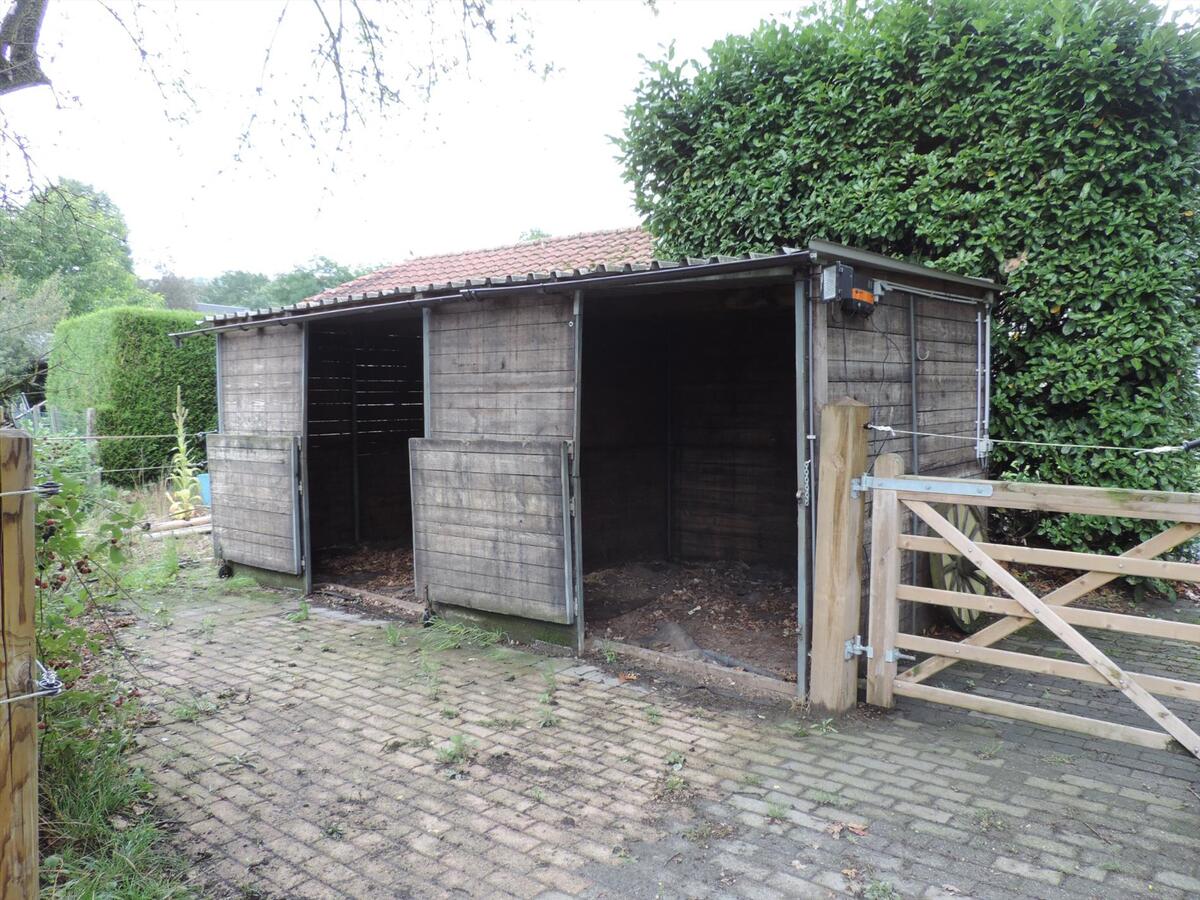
319	759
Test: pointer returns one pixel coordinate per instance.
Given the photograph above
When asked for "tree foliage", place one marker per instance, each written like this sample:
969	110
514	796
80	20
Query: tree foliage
74	232
122	363
27	320
1053	146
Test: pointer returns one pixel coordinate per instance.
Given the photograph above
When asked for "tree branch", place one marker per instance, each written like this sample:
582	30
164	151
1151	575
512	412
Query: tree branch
19	33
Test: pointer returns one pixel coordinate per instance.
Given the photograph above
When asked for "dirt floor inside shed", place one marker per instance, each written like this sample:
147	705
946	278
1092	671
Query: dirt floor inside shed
728	613
385	568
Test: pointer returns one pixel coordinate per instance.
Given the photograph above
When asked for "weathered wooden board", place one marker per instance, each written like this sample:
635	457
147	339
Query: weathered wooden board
255	500
502	369
489	528
261	384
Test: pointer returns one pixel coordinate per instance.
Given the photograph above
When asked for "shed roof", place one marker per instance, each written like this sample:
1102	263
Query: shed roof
576	251
645	270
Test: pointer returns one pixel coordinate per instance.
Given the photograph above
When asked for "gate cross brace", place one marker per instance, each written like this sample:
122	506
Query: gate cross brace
1037	608
1063	596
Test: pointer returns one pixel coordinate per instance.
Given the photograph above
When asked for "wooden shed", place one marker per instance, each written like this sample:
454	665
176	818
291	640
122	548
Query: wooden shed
623	451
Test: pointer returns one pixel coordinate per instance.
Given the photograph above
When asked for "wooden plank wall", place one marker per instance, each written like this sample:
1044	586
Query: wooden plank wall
869	358
488	525
503	368
254	493
733	438
261	384
365	399
623	460
689	418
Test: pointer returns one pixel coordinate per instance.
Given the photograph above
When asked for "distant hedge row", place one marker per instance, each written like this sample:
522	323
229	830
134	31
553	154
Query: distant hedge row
122	363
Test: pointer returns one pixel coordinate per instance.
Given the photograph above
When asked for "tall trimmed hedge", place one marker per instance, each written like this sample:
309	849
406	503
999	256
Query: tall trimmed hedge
122	363
1051	146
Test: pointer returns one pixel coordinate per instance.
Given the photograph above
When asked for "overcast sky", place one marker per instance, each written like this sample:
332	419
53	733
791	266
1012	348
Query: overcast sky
492	154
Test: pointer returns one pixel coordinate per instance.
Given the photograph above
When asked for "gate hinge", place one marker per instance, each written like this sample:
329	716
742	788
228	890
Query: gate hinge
855	647
894	655
571	505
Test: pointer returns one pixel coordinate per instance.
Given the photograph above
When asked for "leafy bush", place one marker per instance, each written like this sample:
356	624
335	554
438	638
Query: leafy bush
122	363
1052	146
97	830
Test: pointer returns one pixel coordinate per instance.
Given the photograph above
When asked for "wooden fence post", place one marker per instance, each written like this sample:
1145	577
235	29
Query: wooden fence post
884	615
18	760
837	586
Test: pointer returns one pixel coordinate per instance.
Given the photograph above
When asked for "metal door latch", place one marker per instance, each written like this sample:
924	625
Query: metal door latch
855	647
894	655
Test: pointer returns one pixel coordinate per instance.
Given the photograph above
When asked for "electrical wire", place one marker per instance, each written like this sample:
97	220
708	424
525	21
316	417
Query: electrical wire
959	437
113	437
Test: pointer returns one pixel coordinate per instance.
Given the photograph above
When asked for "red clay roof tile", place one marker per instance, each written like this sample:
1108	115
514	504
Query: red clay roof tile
625	245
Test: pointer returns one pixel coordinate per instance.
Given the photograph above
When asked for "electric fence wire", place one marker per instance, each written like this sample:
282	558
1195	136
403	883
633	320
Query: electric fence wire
1139	451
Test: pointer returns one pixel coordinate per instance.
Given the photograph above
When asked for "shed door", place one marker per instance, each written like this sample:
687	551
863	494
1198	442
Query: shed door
256	500
492	526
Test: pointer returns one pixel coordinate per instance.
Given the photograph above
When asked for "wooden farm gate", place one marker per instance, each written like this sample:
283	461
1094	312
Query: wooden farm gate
892	492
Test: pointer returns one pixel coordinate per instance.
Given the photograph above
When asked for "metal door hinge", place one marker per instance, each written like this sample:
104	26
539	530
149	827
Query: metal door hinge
855	647
895	655
913	484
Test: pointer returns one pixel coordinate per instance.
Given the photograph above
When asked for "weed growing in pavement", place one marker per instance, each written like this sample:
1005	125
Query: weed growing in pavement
429	670
990	751
208	627
880	890
460	750
675	760
547	718
752	779
825	798
1059	759
795	729
162	616
777	812
536	793
442	635
449	712
334	830
825	726
1111	865
301	614
196	708
654	715
674	784
500	723
708	831
610	654
551	681
987	820
392	634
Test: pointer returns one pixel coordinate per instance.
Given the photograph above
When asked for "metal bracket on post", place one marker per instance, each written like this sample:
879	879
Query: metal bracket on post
983	447
918	485
855	647
895	655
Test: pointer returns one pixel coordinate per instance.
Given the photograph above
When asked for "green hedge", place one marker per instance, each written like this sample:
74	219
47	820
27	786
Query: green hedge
1053	146
122	363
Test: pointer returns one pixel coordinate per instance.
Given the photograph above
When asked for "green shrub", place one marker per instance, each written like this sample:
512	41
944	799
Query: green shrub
122	363
1053	146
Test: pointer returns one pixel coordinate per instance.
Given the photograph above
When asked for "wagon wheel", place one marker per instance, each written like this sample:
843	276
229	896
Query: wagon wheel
951	572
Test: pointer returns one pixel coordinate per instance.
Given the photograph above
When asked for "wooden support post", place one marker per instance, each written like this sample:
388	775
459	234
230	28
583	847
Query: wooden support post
837	586
18	759
884	616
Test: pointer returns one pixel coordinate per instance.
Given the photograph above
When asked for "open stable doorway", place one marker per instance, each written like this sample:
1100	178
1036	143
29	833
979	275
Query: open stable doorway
365	390
688	474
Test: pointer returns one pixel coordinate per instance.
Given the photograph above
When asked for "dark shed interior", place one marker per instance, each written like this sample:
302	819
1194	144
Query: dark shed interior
688	472
365	396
